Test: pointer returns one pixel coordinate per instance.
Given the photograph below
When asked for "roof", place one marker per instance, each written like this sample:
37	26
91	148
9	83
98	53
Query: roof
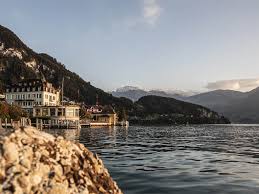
57	106
34	82
106	109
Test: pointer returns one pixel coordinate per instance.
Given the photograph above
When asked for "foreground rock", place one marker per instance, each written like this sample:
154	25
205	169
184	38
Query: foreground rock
36	162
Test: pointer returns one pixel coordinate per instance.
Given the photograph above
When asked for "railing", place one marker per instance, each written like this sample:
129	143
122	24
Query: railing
10	123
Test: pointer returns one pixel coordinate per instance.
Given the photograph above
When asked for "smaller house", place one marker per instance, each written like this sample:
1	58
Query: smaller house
101	115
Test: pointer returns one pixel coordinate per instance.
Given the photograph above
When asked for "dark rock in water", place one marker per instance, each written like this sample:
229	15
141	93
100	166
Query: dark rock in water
36	162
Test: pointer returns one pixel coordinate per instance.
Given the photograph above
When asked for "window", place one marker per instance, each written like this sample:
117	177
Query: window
23	89
39	95
28	89
60	112
77	112
37	112
45	112
52	112
70	112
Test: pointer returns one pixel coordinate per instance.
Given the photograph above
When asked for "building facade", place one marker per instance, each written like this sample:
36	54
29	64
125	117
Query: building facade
101	115
32	92
58	116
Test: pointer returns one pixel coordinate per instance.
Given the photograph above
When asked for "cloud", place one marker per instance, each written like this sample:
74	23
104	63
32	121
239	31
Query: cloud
237	84
151	11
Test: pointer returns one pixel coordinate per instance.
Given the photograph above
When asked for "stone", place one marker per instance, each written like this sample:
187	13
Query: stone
11	154
58	189
85	191
35	179
25	163
32	161
24	181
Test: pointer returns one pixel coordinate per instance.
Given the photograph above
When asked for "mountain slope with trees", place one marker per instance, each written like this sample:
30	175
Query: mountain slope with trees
161	110
18	62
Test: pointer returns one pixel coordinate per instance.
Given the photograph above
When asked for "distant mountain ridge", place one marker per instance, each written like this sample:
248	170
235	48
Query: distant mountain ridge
239	107
134	93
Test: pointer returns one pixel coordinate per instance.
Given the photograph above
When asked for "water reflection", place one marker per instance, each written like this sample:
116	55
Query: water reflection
69	134
178	159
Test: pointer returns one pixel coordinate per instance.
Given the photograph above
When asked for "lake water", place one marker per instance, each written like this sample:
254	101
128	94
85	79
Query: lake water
178	159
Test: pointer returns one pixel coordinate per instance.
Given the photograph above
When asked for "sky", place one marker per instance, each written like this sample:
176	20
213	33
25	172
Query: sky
166	44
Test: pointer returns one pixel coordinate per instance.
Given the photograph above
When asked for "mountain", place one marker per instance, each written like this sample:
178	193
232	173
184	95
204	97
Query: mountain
18	62
160	110
239	107
216	98
135	93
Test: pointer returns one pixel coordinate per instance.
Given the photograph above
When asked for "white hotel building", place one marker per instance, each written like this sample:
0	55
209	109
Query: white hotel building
32	92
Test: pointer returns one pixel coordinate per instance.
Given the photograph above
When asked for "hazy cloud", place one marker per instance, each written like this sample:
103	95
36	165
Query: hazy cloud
238	84
151	11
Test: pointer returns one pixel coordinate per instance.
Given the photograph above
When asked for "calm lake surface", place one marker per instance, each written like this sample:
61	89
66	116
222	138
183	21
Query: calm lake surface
177	159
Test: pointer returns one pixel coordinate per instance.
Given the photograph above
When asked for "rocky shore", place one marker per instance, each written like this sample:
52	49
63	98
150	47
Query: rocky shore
32	161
